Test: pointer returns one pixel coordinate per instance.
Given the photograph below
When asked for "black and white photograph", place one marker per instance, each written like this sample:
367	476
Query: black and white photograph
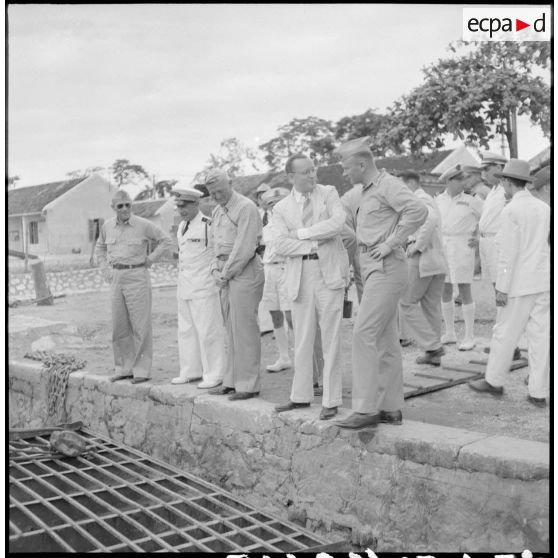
279	278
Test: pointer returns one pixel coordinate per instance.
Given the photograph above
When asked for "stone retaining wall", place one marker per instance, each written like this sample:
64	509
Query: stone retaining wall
412	487
63	282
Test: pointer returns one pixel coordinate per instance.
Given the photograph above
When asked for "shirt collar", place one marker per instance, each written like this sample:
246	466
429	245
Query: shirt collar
377	180
299	196
131	221
231	204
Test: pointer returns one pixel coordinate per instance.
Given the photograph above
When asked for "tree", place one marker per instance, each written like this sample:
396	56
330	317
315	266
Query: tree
372	124
11	184
312	136
164	187
124	172
475	96
83	173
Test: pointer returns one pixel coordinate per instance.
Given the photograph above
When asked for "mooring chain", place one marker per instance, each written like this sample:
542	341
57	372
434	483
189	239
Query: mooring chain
59	367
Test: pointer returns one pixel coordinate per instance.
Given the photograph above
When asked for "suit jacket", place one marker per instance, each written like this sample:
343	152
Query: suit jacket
432	259
523	248
328	225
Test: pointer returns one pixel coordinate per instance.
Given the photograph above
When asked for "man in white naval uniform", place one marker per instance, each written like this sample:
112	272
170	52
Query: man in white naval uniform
201	330
522	287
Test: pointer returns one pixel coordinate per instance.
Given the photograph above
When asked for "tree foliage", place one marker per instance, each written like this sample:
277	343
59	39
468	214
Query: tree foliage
83	173
475	96
125	172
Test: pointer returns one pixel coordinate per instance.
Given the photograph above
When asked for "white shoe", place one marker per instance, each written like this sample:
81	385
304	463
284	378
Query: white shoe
279	365
208	384
181	380
467	345
448	339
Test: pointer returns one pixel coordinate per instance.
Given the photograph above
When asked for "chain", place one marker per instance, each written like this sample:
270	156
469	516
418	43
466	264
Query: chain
58	367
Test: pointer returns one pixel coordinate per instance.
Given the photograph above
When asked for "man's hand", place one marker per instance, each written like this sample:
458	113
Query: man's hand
380	251
293	234
148	263
411	250
473	242
219	281
501	298
92	261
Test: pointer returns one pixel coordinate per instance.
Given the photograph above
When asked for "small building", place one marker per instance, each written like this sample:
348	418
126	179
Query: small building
58	217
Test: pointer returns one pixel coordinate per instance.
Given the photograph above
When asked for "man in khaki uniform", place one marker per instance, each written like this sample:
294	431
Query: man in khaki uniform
421	303
122	254
238	273
389	212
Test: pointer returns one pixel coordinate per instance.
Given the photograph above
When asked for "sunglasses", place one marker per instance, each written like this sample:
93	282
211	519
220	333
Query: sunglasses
121	205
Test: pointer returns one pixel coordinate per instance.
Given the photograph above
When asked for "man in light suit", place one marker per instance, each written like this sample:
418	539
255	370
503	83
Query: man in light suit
389	212
307	228
522	287
427	271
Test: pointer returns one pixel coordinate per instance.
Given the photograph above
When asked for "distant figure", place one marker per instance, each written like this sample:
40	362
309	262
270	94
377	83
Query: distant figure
421	303
307	228
389	212
122	255
201	329
238	273
460	216
522	287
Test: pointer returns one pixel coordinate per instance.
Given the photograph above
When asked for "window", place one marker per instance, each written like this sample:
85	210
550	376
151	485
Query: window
33	232
95	228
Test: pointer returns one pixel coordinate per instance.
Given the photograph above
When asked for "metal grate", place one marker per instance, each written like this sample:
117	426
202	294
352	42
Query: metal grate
116	499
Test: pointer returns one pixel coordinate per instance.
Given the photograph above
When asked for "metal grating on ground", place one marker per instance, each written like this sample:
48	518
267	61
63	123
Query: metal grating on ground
116	499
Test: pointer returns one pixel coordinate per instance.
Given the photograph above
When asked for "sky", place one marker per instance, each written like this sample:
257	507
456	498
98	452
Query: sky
162	85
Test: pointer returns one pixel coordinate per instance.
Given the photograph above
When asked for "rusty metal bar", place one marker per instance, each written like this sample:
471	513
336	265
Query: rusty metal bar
115	498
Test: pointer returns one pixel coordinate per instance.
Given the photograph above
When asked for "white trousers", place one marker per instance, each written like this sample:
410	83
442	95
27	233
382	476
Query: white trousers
201	338
317	303
529	313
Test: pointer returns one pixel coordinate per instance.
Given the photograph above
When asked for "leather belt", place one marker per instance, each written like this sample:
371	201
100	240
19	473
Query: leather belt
485	235
127	266
365	247
276	263
310	257
223	257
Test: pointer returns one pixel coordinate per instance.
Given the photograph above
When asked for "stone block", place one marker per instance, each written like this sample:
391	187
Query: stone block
27	370
507	457
173	394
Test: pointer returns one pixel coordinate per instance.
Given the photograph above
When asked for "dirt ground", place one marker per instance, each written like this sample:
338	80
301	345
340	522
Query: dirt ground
458	406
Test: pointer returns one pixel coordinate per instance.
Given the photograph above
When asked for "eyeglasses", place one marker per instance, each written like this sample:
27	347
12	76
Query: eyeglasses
121	205
307	172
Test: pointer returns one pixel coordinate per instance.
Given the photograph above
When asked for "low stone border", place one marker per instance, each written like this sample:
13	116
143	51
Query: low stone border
417	486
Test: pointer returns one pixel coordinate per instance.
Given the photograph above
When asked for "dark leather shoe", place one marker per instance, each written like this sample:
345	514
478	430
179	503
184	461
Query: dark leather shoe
431	357
237	396
484	387
139	380
391	417
118	378
537	401
359	420
290	406
318	390
327	413
221	390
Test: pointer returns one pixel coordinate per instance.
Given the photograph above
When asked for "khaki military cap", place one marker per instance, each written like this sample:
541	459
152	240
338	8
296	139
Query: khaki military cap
185	195
352	147
215	176
489	158
273	195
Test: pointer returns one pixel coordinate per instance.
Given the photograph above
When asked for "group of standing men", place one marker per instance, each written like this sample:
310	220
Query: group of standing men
394	234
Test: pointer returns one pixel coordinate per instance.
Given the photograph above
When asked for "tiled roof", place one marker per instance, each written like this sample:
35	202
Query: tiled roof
32	199
147	208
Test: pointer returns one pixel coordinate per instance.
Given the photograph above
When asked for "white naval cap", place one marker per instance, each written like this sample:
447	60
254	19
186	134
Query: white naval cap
184	195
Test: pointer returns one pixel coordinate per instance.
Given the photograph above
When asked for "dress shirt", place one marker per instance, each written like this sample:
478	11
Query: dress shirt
235	232
460	214
126	243
389	212
523	248
491	212
270	255
304	233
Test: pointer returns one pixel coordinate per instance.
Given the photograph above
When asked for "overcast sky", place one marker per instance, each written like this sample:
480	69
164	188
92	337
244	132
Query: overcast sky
162	85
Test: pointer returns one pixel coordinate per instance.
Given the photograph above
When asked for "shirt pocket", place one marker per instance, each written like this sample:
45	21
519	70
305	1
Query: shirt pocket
371	206
135	247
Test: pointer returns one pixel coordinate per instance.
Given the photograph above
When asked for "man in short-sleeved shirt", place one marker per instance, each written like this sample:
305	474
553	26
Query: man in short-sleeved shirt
122	254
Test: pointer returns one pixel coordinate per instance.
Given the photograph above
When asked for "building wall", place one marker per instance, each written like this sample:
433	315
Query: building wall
67	218
15	234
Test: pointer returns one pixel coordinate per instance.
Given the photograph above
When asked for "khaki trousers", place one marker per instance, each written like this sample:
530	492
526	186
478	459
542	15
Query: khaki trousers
421	307
317	303
201	338
239	303
132	334
529	313
377	362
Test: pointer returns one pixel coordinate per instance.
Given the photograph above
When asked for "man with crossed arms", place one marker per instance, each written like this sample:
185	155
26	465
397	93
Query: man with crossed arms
307	228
